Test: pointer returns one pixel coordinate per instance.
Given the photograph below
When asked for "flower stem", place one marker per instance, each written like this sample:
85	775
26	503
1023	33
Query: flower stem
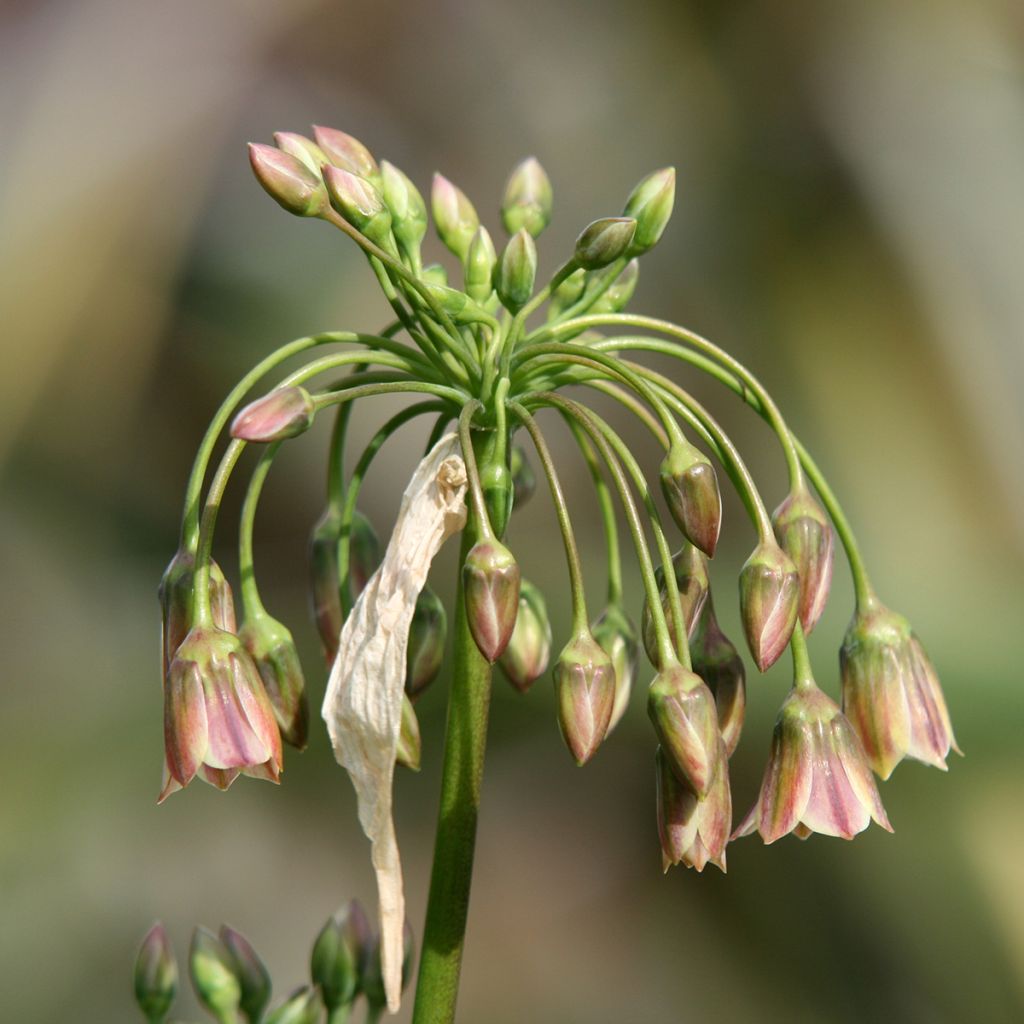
465	739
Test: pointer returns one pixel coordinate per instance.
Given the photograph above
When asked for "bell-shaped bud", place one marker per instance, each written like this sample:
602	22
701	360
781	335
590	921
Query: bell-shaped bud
303	1006
567	294
455	218
409	750
769	593
253	976
691	572
272	648
604	241
279	414
526	657
213	972
891	692
339	956
490	578
288	181
364	553
617	635
805	534
690	486
528	199
683	712
325	581
516	271
524	481
425	650
718	663
156	975
434	274
359	201
481	259
650	204
346	152
373	979
303	149
585	691
408	210
616	297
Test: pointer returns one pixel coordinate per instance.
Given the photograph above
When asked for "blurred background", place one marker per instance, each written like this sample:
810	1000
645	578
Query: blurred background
849	222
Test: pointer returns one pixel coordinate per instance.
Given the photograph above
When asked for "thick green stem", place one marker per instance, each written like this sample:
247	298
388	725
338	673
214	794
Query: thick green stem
465	739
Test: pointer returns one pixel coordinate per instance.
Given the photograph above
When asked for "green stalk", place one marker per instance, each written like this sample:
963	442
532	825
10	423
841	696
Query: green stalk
252	604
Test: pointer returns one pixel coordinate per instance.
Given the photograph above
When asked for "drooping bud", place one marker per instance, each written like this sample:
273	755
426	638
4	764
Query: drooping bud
567	293
585	690
650	203
528	199
279	414
690	486
526	657
253	976
683	712
481	258
769	592
156	975
410	749
604	241
288	181
325	581
346	152
718	663
272	648
617	635
524	481
359	201
303	149
364	553
339	956
691	572
516	271
373	979
301	1007
891	692
616	297
490	577
425	651
455	218
212	969
805	534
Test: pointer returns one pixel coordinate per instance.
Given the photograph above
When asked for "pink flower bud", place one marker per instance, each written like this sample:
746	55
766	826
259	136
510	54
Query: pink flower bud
616	634
363	555
817	775
304	150
279	414
490	577
455	218
346	152
529	649
769	592
585	690
527	201
805	534
253	977
717	662
288	180
325	581
690	486
361	204
691	572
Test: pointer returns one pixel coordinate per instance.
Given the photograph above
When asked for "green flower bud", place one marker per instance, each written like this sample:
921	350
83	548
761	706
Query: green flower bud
690	486
682	710
339	955
454	217
617	635
617	296
364	553
251	972
769	592
280	414
691	572
346	152
373	980
717	662
408	210
496	482
273	650
567	293
288	181
458	305
805	534
480	262
516	272
303	149
604	241
325	581
585	691
526	657
490	578
359	201
156	975
425	651
524	482
302	1007
528	200
434	274
213	973
650	203
409	750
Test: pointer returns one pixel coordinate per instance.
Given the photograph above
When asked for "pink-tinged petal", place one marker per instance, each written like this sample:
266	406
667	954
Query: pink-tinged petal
677	813
750	823
787	781
257	707
802	832
232	741
931	732
833	809
185	721
268	771
714	818
169	784
814	592
858	771
875	702
220	778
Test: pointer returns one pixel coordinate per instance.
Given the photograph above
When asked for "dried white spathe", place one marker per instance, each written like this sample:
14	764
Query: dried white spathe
363	703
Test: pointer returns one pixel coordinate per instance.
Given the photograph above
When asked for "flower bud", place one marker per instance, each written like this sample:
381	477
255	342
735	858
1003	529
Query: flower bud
769	591
279	414
253	977
526	657
156	975
585	690
212	969
691	572
325	581
301	1007
480	262
650	203
524	482
303	149
373	979
408	210
567	293
288	181
490	577
496	483
683	712
617	635
361	204
604	241
805	534
718	663
364	553
516	272
616	297
528	200
409	750
434	274
272	648
454	217
690	486
891	692
339	955
425	651
346	152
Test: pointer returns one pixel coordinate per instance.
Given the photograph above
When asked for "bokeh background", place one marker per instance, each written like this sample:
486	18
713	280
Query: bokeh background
849	222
